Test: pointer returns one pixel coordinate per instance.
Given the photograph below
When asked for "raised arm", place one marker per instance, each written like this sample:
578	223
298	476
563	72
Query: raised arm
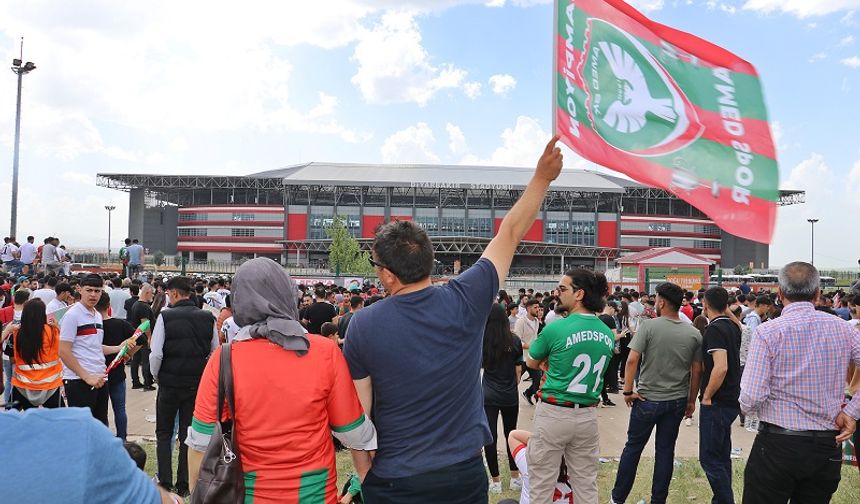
520	218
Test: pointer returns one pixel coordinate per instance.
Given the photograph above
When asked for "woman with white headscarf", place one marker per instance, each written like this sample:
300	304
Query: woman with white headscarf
292	391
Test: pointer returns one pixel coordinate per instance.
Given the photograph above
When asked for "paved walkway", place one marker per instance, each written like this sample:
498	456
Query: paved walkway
613	426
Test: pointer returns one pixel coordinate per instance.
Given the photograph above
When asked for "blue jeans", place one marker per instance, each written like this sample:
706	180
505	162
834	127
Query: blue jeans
645	415
116	390
7	380
461	483
715	450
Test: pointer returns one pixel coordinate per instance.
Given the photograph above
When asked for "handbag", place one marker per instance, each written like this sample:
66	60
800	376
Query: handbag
221	479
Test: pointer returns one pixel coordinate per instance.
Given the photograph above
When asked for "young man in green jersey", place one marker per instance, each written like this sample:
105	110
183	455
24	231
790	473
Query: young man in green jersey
574	352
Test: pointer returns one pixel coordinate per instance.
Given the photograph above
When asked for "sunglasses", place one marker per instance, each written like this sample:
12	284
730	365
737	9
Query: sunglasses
380	265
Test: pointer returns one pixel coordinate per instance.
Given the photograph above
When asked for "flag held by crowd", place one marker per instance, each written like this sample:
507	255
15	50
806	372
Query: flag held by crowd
667	109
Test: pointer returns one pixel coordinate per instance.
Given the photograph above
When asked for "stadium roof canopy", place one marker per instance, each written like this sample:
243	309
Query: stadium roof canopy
394	175
443	176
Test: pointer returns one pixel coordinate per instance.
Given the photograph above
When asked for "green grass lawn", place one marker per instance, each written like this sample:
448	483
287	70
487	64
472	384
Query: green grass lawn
689	483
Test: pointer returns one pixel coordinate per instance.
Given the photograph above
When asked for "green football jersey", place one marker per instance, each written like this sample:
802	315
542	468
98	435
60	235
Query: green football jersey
578	349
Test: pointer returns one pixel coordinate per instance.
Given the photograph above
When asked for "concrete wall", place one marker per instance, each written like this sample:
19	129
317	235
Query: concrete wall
136	209
159	229
735	251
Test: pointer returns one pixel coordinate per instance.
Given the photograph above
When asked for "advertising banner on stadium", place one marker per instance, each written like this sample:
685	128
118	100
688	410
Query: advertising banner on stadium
667	109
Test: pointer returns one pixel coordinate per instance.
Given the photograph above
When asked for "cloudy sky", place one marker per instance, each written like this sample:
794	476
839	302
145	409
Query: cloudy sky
220	87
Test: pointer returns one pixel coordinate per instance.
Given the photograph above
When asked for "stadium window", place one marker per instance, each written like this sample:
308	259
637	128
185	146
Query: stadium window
192	232
658	242
242	232
201	256
186	217
243	217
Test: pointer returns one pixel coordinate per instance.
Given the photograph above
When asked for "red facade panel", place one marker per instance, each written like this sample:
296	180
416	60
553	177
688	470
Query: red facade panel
369	224
607	234
535	233
297	226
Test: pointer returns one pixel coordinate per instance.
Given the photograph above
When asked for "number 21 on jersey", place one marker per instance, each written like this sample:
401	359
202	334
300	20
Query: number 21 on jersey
583	361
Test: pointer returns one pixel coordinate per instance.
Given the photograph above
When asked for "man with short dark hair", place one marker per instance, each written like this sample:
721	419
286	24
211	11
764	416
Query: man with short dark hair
135	258
355	304
526	329
82	351
141	311
319	313
28	254
63	298
721	386
416	358
670	352
794	380
182	340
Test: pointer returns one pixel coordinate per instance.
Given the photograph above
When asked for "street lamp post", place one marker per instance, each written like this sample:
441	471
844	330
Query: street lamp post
109	208
812	222
21	71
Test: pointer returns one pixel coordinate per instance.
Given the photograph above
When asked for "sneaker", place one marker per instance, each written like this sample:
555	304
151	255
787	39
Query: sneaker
516	484
607	403
495	487
688	422
137	386
147	388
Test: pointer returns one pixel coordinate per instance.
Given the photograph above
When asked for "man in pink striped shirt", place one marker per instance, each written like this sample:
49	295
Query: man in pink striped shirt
795	380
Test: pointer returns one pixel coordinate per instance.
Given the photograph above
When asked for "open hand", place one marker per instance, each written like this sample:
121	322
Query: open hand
550	163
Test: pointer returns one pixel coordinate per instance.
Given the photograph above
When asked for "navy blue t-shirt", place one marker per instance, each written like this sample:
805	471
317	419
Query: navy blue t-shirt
422	351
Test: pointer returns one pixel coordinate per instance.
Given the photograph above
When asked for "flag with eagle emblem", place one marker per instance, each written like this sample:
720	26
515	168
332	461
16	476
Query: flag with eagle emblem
667	109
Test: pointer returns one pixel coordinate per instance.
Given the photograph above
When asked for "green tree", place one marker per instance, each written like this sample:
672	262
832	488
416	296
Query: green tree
345	254
158	258
740	269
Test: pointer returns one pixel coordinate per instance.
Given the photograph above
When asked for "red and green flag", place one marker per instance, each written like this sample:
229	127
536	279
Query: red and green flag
667	109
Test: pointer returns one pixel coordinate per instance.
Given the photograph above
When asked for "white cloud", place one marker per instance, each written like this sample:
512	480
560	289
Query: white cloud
802	8
411	145
727	8
854	180
647	5
502	84
846	41
325	107
817	57
393	66
472	89
81	178
852	62
456	140
521	145
848	19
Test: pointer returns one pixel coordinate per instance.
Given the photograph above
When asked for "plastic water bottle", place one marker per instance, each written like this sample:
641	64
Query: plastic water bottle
752	422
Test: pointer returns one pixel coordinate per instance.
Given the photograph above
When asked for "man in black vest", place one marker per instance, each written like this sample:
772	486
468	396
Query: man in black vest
183	338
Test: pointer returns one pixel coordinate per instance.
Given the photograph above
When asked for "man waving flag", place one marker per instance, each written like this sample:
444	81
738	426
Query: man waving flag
668	109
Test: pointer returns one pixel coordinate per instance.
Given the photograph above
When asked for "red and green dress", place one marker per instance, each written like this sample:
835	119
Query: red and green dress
286	409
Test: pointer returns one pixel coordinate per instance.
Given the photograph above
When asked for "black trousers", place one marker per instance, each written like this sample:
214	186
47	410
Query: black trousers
534	386
509	423
611	376
170	401
80	395
140	361
22	403
805	470
461	483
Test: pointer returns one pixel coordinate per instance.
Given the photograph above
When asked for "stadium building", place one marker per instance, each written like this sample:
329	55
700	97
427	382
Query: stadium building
587	219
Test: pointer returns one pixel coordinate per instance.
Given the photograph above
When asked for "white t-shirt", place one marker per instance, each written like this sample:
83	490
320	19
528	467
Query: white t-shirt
16	317
552	315
49	253
214	299
7	252
563	492
229	328
684	318
28	253
46	295
118	297
855	322
85	331
224	293
55	305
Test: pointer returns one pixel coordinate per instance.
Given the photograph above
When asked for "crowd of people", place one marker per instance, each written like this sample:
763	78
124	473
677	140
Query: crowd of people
412	379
